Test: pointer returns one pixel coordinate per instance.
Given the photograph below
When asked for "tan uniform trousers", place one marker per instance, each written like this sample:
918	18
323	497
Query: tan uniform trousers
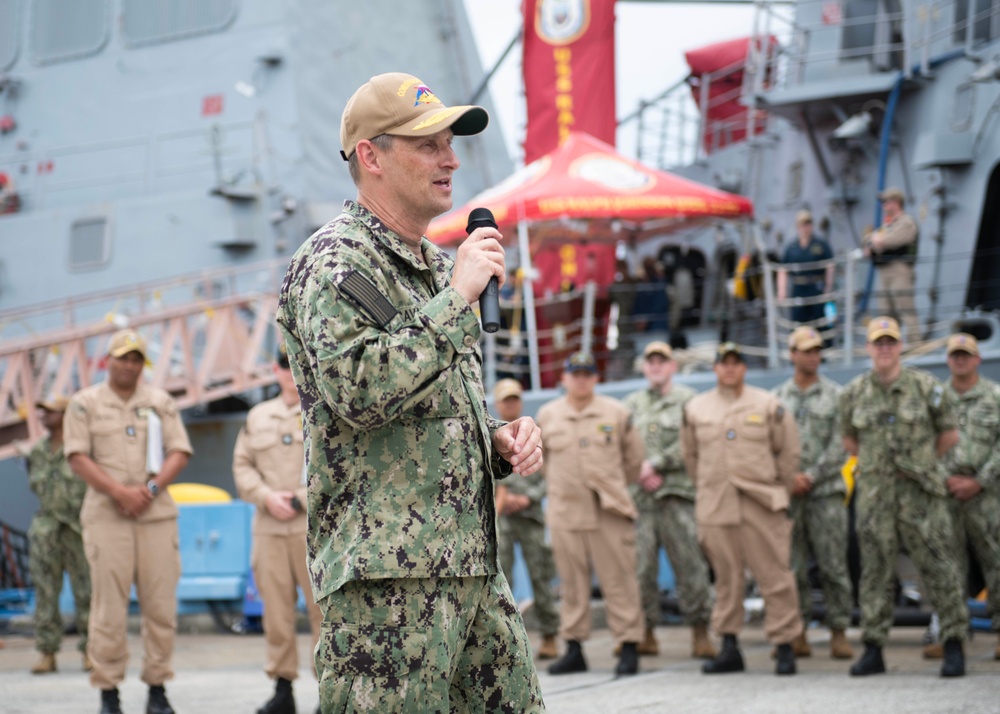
762	541
896	281
610	549
279	565
121	551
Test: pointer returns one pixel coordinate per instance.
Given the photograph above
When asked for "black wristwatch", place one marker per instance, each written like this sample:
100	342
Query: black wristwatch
153	488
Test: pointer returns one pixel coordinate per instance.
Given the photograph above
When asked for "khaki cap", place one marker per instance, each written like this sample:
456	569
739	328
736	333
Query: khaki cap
804	338
729	348
53	403
963	342
507	388
125	341
658	347
803	217
883	327
400	104
893	194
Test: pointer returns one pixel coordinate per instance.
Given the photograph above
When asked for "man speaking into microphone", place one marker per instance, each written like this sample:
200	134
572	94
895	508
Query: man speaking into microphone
401	454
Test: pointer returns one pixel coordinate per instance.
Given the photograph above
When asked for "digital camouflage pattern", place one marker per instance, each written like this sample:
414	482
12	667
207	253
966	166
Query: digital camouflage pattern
527	527
978	454
666	517
672	526
659	418
900	495
820	517
398	441
56	545
395	645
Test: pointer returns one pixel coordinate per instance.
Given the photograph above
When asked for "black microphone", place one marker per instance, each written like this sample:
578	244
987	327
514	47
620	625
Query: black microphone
489	301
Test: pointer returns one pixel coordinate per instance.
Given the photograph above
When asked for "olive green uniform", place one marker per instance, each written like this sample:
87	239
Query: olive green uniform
820	516
402	525
977	521
56	545
900	495
666	516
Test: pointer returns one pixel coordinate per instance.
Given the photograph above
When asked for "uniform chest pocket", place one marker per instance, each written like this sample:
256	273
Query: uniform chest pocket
912	412
106	439
862	418
984	424
753	432
557	439
263	440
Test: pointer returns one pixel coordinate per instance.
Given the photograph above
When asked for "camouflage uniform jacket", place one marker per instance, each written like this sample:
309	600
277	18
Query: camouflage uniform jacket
658	418
978	451
399	452
815	412
897	427
534	488
60	492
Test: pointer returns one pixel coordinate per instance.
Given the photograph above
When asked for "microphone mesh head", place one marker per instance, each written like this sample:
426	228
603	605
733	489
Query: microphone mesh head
480	217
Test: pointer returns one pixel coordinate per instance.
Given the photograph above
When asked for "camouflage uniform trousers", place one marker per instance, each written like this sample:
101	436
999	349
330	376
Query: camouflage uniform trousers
672	526
977	523
425	645
538	558
894	511
57	548
821	529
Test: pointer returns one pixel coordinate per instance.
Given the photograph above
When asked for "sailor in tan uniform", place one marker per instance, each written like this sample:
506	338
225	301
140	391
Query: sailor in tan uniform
126	440
592	453
742	452
267	467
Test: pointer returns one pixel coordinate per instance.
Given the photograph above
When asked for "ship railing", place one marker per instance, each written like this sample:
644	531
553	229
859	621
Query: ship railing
211	335
904	40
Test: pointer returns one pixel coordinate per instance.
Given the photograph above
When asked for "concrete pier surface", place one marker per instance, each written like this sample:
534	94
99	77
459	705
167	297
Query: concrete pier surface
222	674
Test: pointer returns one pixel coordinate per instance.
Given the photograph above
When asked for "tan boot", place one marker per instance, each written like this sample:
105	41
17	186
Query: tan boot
87	664
935	650
649	645
800	647
701	645
548	650
840	648
46	663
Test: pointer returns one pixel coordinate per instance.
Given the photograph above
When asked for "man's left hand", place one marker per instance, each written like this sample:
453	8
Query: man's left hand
520	443
963	487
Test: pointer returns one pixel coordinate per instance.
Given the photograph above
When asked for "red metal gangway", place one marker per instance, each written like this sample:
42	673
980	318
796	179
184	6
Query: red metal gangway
211	335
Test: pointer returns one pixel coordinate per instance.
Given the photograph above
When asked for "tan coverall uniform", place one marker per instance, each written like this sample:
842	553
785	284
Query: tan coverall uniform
896	270
742	454
269	457
122	550
591	456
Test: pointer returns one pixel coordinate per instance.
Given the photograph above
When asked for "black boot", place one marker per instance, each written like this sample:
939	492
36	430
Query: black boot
785	660
729	658
954	659
628	663
282	702
572	661
109	702
871	662
157	702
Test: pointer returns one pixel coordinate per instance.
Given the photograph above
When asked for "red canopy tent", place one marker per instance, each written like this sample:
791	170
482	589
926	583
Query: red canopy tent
585	178
585	190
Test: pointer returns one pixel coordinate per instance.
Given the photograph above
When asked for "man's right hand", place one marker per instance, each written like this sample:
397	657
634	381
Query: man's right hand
133	500
479	258
279	505
803	485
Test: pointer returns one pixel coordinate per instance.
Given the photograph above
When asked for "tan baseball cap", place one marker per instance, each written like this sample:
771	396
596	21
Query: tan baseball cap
963	342
803	217
125	341
53	403
804	338
893	194
729	348
400	104
883	327
507	388
658	347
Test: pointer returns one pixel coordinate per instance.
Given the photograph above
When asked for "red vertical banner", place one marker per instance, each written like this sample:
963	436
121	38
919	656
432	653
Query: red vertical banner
569	71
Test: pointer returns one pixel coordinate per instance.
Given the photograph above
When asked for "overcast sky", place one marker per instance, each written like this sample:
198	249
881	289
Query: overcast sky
650	38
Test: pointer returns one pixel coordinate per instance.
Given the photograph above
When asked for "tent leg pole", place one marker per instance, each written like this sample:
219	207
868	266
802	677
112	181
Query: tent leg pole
529	305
